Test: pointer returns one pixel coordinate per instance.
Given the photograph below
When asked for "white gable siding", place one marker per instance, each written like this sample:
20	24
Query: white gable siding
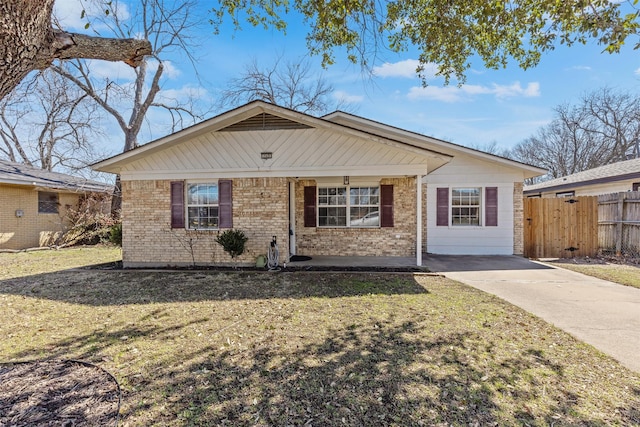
468	172
304	152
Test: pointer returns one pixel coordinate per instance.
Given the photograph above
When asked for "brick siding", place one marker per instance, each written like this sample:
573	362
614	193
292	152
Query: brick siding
399	240
33	229
260	209
518	219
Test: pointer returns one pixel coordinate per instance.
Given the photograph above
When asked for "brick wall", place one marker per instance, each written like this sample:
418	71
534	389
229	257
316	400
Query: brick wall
260	209
399	240
518	219
33	229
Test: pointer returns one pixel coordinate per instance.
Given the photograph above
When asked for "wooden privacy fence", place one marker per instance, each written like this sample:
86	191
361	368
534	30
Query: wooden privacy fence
619	223
582	226
560	227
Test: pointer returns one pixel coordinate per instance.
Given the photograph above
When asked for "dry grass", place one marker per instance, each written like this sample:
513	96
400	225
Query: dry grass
35	262
628	275
196	348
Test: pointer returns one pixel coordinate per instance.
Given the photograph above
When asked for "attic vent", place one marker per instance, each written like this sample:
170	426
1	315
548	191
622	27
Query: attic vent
265	121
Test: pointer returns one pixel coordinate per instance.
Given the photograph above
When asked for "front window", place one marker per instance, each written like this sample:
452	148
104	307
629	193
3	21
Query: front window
202	206
465	206
349	206
47	202
566	194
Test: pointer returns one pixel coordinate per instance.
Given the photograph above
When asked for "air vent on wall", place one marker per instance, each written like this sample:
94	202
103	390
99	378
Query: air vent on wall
265	121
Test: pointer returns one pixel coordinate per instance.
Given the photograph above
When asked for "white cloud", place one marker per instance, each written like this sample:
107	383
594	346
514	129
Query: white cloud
183	93
346	97
404	69
637	72
69	13
580	68
118	71
121	72
465	92
170	71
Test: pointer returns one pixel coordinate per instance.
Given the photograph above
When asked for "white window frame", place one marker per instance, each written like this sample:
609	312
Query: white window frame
347	205
561	194
198	205
479	206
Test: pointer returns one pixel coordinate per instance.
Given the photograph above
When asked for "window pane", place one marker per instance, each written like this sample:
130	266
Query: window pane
364	217
465	206
365	196
465	216
362	204
332	217
202	206
47	202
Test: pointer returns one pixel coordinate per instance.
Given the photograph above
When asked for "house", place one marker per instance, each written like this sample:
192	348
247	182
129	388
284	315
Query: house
339	185
33	203
613	178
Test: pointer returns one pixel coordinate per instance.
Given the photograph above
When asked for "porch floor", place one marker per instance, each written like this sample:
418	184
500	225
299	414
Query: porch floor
356	262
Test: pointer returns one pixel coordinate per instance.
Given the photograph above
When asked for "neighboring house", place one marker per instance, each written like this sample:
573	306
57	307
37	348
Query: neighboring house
613	178
338	185
33	203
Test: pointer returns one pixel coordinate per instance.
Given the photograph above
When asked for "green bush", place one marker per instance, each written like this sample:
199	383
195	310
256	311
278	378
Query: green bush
115	234
232	241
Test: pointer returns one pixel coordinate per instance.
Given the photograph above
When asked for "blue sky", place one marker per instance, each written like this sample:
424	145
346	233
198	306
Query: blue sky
502	107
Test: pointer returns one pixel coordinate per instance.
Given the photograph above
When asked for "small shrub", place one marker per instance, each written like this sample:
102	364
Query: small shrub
232	241
115	234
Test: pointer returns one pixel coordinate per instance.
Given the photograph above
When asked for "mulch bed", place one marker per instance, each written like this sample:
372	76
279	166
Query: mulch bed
57	393
291	267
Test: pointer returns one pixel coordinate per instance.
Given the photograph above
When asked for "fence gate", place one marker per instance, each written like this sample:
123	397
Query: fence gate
561	227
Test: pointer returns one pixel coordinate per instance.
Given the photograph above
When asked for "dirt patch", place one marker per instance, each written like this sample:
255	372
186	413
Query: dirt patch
57	393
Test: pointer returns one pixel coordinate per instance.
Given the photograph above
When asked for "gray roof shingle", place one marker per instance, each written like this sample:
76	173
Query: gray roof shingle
21	174
612	172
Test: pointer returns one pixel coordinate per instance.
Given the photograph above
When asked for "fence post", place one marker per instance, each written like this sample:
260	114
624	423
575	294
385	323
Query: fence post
619	223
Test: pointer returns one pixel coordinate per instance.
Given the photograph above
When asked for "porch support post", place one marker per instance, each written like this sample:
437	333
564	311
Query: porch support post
292	218
419	220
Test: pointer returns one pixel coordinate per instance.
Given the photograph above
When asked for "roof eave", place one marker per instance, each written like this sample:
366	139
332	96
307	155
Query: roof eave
530	171
565	186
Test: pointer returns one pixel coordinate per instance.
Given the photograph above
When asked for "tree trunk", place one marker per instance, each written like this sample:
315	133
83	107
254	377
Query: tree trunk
116	199
29	42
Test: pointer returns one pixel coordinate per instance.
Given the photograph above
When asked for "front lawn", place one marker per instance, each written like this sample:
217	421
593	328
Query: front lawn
619	273
194	348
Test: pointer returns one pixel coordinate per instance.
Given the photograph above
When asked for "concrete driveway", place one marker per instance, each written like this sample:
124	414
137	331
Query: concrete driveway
601	313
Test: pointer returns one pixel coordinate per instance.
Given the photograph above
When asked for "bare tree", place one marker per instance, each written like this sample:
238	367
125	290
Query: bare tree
169	27
290	84
603	128
48	122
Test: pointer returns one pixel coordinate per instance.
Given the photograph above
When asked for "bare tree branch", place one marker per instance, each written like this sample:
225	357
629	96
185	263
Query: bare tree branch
290	84
603	128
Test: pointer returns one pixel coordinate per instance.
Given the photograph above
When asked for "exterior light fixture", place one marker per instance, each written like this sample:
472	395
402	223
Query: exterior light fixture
345	180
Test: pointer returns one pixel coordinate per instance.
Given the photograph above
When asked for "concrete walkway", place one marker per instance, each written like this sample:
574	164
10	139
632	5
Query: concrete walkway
601	313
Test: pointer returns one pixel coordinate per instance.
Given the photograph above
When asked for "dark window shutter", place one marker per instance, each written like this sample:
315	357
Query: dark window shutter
310	206
177	204
386	206
225	203
442	209
491	207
